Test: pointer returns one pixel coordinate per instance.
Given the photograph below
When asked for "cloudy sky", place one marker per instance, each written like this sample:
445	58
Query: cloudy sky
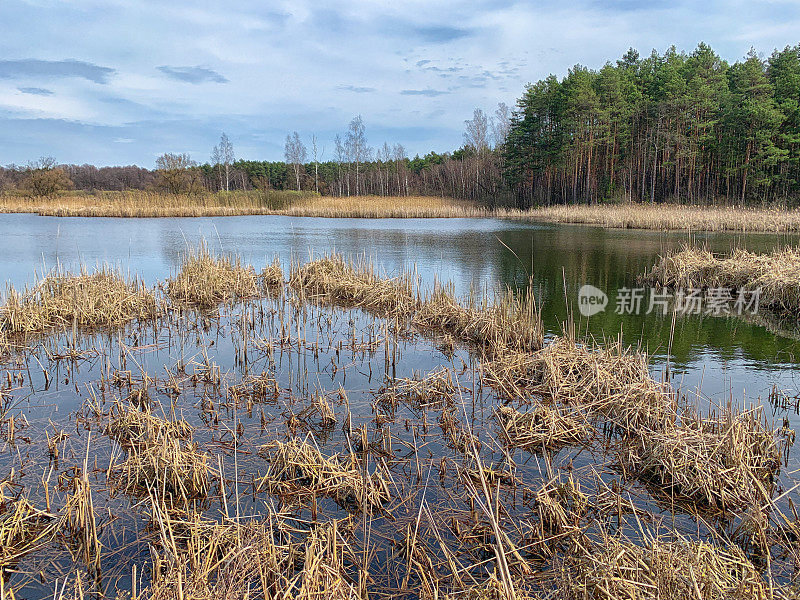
121	81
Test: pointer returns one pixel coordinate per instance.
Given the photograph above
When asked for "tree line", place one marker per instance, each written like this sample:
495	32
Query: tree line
671	126
665	127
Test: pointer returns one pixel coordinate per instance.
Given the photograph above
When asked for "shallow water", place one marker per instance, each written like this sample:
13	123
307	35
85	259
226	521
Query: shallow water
726	358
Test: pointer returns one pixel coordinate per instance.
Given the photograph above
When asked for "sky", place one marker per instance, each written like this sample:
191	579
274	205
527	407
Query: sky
123	81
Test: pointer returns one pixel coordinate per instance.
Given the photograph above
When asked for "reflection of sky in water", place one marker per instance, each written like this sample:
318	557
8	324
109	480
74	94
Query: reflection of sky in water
728	356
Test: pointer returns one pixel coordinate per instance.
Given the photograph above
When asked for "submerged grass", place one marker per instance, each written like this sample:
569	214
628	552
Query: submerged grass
776	274
60	300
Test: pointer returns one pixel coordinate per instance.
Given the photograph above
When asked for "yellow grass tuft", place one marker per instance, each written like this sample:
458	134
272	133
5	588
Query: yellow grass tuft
206	280
542	428
333	279
60	300
298	467
510	322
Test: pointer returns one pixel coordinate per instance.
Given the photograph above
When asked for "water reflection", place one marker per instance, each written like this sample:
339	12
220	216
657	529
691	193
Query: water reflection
483	253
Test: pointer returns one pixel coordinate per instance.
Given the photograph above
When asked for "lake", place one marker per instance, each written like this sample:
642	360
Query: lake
721	358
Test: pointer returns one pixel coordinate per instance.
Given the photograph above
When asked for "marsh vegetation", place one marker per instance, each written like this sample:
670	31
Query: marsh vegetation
326	428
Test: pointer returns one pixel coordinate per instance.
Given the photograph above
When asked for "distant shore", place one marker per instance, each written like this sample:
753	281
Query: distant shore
666	217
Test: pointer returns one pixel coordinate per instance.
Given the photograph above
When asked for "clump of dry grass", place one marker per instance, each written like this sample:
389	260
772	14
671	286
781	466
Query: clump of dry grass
298	467
272	275
558	506
160	459
603	380
22	528
726	462
680	570
59	300
334	279
133	427
209	560
542	428
206	280
776	274
510	322
436	389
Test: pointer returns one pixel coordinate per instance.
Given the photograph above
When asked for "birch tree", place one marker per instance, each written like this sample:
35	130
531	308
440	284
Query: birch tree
295	153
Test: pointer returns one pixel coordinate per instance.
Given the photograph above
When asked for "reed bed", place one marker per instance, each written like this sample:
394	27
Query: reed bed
559	506
776	274
665	217
609	381
542	428
103	298
616	568
272	275
727	462
510	322
206	280
298	467
333	279
141	204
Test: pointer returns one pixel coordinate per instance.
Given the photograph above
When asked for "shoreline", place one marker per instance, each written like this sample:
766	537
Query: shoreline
662	217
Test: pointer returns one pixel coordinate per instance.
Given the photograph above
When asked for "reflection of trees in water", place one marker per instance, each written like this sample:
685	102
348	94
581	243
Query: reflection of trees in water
614	259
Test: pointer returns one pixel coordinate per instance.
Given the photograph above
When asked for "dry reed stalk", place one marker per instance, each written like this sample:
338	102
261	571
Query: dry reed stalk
333	279
436	389
616	569
206	280
542	428
79	521
23	527
298	467
776	274
609	381
510	322
726	462
60	300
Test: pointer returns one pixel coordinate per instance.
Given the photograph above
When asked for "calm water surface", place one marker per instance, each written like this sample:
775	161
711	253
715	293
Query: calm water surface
727	356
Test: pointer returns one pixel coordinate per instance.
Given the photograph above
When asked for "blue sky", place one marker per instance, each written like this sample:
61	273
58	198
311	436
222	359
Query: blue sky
122	81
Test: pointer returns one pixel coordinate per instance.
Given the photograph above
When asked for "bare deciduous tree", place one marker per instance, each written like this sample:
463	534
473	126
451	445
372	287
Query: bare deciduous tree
295	153
45	178
175	173
501	124
356	144
223	156
317	154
